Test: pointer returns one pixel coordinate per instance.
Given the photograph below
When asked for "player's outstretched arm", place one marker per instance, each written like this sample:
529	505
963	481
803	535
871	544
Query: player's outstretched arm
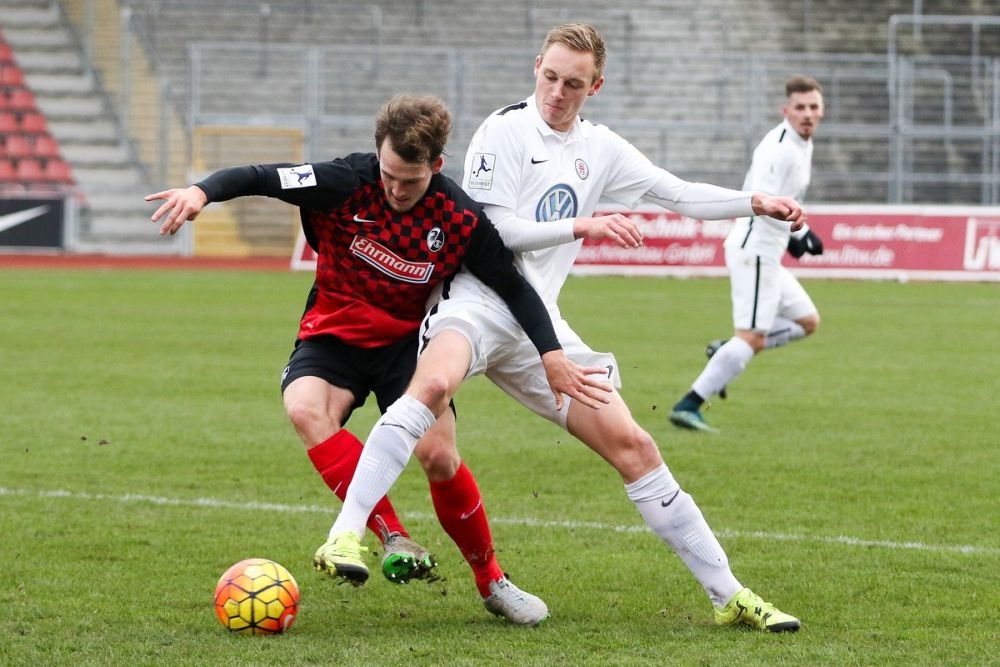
179	206
577	382
780	208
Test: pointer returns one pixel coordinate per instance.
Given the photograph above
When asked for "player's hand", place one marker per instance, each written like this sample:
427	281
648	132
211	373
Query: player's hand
577	382
615	227
780	208
183	204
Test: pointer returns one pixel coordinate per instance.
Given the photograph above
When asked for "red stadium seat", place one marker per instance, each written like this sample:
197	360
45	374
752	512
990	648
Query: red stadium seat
7	172
21	99
11	76
18	146
45	146
57	171
29	170
34	122
8	122
6	54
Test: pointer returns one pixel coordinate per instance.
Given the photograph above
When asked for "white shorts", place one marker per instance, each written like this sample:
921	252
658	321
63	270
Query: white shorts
504	353
762	289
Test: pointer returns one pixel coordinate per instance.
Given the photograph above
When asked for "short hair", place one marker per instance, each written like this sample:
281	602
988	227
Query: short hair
800	83
579	37
417	125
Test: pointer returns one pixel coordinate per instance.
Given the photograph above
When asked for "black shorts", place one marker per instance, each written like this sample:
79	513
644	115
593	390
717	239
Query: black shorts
384	371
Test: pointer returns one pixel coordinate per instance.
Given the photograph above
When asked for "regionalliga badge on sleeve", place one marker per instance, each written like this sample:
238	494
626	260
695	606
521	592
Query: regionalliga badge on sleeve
297	177
481	177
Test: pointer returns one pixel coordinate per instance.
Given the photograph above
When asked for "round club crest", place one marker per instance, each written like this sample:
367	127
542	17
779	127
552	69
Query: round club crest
435	239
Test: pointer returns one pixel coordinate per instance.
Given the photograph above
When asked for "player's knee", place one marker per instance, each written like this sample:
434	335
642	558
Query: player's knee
431	388
637	454
438	456
304	413
756	341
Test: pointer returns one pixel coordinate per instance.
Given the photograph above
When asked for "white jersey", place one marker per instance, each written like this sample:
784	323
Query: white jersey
781	165
516	161
533	183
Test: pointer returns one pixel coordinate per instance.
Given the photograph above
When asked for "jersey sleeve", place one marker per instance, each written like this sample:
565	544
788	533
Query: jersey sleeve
496	146
699	200
493	263
632	173
318	186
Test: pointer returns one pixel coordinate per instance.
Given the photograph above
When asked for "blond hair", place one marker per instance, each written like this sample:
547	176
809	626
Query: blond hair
579	37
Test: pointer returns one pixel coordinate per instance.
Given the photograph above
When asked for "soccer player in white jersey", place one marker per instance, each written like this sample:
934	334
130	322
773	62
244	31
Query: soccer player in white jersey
539	170
770	307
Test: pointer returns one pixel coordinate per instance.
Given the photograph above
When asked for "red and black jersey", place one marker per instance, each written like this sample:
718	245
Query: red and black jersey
376	267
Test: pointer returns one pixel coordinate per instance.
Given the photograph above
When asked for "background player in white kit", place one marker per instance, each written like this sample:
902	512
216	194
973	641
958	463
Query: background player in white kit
770	307
546	170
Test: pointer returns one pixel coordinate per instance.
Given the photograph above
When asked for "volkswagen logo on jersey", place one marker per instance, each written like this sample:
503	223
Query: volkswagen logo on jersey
435	239
556	204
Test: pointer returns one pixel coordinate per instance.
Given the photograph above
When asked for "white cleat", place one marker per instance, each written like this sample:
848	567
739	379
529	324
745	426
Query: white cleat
517	606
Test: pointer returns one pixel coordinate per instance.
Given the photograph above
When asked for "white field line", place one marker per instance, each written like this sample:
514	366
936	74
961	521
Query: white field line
217	503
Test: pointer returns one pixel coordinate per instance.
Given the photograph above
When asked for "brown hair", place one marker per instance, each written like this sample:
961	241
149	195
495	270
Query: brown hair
579	37
417	126
800	83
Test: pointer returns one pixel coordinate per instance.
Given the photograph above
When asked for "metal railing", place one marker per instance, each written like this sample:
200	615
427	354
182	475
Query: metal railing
897	125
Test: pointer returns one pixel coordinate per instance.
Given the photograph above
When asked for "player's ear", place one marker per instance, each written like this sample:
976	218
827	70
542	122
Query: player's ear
596	87
438	164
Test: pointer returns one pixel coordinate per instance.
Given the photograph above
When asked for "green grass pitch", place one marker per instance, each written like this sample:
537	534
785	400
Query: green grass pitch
144	450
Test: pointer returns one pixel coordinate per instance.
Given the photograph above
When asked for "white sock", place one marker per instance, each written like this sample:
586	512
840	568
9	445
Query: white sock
383	459
726	365
673	515
784	331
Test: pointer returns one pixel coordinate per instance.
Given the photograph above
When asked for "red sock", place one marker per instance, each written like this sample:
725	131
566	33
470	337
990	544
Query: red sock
459	507
336	459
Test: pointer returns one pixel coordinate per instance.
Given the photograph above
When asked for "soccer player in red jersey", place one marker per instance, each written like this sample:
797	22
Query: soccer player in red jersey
388	228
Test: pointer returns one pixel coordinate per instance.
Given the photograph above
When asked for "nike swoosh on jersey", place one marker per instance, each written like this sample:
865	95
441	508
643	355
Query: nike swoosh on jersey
14	219
358	218
534	161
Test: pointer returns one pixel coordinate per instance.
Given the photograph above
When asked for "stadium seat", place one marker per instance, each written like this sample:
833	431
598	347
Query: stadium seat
18	146
8	174
45	146
34	122
8	122
6	54
57	171
29	170
21	99
11	76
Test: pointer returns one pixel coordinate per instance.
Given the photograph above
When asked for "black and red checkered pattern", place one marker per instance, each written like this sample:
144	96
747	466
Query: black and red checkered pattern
377	298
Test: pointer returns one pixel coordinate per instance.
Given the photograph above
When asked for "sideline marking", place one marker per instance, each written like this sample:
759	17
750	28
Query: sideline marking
216	503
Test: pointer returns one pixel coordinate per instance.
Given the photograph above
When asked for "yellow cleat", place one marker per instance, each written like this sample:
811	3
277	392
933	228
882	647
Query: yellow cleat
747	608
340	557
